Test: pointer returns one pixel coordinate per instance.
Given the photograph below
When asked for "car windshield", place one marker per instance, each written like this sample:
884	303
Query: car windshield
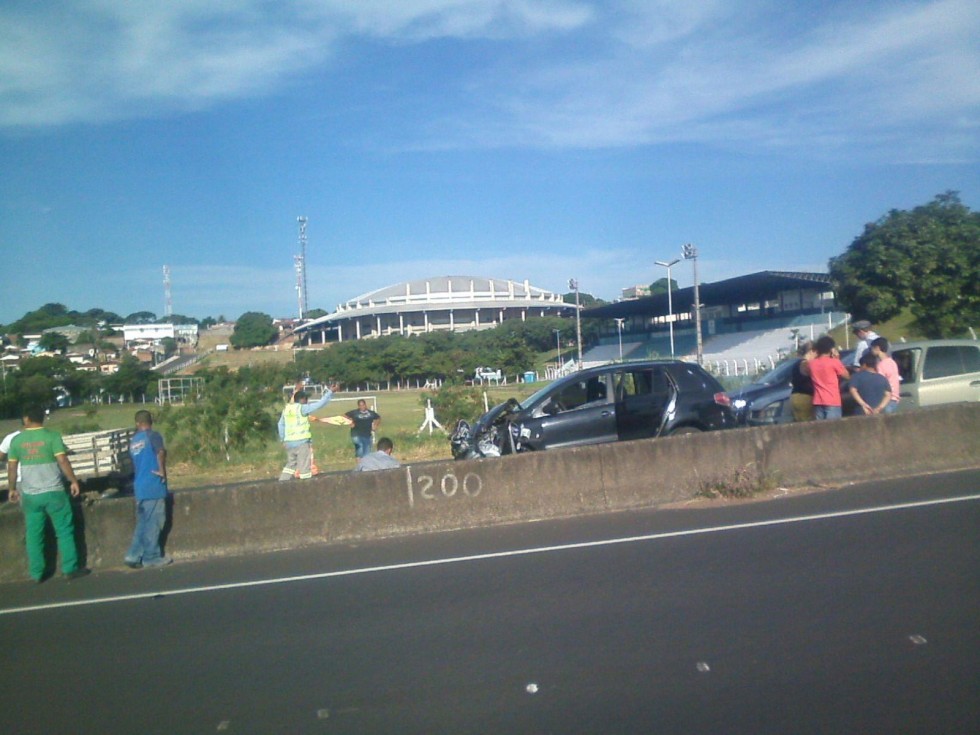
536	396
779	374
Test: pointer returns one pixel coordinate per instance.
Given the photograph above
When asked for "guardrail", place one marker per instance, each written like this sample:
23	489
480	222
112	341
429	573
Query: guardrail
446	495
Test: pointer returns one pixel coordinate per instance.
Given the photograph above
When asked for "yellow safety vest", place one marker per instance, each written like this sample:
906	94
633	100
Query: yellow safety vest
297	425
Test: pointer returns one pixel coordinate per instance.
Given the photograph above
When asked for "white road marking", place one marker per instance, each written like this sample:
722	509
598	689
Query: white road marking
486	556
703	667
918	640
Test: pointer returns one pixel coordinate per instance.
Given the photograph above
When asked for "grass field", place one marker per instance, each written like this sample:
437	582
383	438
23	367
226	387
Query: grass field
402	415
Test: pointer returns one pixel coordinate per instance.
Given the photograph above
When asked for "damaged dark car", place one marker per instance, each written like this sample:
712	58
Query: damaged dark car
616	402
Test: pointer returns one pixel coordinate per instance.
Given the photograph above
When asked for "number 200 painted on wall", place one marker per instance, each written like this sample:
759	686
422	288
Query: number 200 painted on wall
425	487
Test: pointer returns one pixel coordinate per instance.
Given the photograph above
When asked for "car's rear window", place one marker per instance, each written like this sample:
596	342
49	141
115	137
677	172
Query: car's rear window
690	377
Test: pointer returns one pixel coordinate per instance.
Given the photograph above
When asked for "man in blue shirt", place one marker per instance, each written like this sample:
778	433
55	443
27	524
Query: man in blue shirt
150	487
870	391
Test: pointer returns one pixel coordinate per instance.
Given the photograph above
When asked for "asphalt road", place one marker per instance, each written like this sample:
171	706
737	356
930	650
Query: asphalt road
852	611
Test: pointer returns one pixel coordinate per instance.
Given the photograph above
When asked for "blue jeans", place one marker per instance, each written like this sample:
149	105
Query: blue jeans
825	413
362	445
892	407
150	517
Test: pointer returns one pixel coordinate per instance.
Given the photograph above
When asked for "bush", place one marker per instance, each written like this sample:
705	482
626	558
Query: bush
82	426
454	402
226	420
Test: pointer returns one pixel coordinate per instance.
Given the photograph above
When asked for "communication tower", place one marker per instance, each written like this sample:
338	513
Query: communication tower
301	287
168	301
298	263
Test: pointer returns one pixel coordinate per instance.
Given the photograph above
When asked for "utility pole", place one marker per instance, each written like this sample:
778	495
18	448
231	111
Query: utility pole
691	253
573	284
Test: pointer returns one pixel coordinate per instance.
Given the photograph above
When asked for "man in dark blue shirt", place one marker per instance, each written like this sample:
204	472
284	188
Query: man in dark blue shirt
870	391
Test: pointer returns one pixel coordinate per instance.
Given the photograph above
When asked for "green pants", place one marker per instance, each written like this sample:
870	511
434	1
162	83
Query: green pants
55	505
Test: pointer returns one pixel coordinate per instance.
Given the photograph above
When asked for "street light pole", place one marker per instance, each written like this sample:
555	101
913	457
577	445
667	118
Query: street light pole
619	327
670	302
691	253
573	284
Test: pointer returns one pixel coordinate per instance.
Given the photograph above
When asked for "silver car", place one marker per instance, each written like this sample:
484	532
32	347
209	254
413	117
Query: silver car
938	371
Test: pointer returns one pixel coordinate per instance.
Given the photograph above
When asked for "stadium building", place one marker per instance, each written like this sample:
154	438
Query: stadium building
751	321
445	303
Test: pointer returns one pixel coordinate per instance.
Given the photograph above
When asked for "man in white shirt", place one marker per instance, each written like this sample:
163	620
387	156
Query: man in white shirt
865	335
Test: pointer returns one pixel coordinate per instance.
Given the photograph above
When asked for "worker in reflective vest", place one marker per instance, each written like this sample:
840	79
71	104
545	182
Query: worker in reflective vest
296	436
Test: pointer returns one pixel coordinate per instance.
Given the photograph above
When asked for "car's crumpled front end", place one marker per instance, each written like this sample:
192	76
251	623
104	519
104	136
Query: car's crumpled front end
491	435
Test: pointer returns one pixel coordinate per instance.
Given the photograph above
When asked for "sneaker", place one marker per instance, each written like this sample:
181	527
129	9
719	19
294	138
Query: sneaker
133	563
78	573
161	562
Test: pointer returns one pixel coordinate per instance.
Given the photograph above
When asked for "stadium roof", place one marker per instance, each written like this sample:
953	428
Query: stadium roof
748	289
445	293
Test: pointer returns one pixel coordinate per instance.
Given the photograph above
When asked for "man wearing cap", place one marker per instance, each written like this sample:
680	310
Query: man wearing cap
296	436
865	335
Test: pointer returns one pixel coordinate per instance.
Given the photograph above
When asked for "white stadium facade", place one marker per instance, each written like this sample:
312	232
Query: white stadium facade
444	303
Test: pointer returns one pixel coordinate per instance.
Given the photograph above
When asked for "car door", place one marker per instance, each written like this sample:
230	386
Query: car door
579	412
936	374
950	374
909	361
644	396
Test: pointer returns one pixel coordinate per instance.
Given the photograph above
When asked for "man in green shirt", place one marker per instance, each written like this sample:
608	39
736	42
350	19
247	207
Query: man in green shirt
41	456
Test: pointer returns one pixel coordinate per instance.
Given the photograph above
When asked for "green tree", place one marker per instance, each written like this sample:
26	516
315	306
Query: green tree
660	286
36	390
926	260
253	329
101	317
585	300
132	379
179	319
141	317
49	315
233	416
54	342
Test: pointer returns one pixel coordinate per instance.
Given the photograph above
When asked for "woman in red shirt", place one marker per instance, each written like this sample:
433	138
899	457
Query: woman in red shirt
825	371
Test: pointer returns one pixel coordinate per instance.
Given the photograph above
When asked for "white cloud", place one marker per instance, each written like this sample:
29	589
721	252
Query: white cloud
97	60
716	78
903	77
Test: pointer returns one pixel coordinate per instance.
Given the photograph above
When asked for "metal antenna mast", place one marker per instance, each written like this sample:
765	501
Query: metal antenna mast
304	304
298	263
168	301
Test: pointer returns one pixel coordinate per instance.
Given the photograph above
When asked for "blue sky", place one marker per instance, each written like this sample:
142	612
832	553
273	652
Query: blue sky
522	139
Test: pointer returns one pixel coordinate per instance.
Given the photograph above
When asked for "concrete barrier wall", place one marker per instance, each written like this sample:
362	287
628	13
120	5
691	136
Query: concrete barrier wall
438	496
